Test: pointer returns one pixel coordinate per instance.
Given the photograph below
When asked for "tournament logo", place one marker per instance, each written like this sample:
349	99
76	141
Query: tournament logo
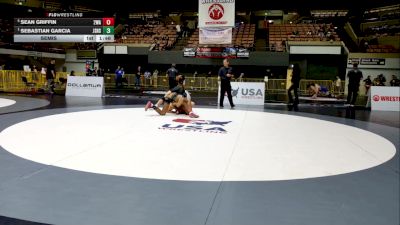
376	98
235	92
247	93
216	11
203	126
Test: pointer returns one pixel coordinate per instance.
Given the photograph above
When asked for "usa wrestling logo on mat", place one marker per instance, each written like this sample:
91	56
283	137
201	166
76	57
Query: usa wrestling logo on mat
204	126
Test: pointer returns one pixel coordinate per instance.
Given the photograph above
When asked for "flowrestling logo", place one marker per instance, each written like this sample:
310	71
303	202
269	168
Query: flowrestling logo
203	126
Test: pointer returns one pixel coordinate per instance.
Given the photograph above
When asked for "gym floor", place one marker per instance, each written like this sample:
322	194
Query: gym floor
75	160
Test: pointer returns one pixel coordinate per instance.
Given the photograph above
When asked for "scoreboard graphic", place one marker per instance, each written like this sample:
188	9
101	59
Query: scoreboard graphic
64	29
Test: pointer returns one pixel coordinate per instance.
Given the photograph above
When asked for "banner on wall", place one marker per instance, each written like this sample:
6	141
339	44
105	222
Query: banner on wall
85	86
216	52
215	36
189	52
385	98
243	53
216	13
246	93
366	61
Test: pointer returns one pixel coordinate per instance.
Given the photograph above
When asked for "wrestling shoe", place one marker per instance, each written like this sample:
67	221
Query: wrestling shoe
193	115
148	105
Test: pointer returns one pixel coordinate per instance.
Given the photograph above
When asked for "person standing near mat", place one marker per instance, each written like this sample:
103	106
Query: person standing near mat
138	76
295	85
51	75
355	76
171	74
225	74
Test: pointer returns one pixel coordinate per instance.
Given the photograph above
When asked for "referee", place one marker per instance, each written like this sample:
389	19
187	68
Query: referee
225	75
172	73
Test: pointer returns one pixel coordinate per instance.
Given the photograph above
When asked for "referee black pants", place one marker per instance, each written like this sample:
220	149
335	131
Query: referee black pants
225	87
172	82
352	94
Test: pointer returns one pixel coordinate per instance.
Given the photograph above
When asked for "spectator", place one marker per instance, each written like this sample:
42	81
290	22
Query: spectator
377	82
100	72
338	84
240	78
123	80
155	77
269	74
382	79
366	45
50	76
367	84
35	76
138	76
362	45
178	30
72	73
34	69
184	31
94	73
147	76
395	81
295	85
118	77
209	74
155	73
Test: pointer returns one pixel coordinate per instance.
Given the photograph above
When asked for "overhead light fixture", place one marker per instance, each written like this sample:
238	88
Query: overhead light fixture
20	2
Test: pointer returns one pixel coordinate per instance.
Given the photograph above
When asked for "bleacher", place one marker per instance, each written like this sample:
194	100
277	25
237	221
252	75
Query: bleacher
391	12
382	49
158	36
383	30
379	30
280	33
5	30
242	36
328	13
